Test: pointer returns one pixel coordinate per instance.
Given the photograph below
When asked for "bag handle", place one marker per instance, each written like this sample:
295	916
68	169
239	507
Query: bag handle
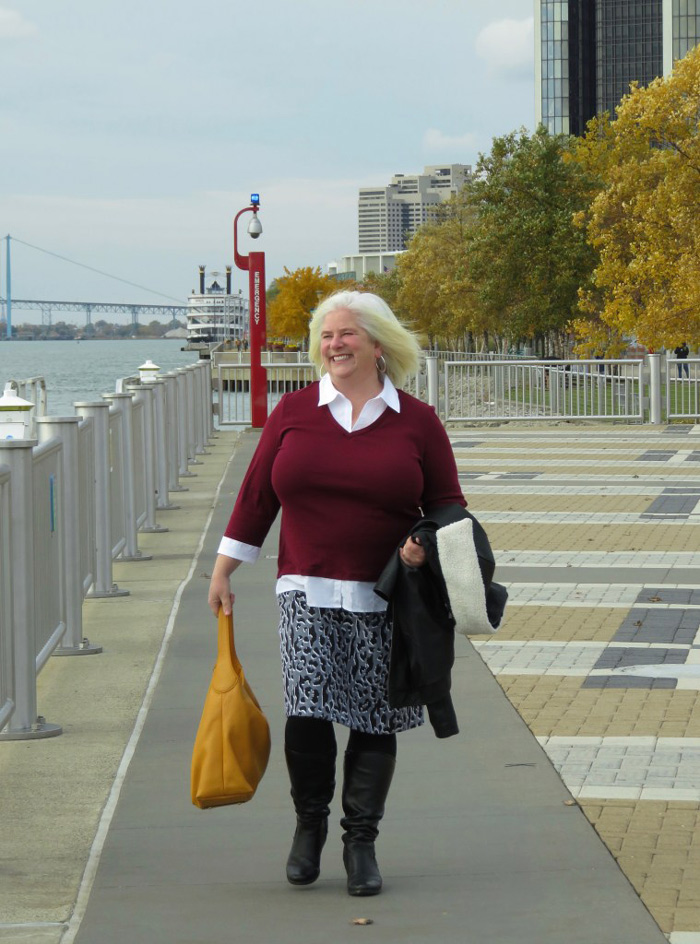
227	670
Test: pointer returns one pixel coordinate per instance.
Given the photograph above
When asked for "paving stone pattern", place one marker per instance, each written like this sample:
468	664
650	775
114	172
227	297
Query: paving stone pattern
604	665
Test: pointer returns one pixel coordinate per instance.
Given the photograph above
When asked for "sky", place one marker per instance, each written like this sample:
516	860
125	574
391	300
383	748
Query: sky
132	131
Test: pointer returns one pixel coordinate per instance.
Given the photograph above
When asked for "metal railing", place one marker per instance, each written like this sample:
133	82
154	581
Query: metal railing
49	559
71	503
233	388
683	388
556	389
473	388
7	678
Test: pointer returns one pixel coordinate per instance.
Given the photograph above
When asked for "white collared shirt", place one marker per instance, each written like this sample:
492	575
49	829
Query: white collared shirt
351	595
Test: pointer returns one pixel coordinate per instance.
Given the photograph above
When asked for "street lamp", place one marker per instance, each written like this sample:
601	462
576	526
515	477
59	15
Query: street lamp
254	263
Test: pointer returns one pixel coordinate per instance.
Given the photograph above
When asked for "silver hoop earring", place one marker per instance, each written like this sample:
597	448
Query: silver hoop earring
321	372
381	367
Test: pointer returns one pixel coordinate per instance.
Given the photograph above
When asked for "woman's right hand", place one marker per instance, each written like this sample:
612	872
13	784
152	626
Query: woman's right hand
220	585
220	594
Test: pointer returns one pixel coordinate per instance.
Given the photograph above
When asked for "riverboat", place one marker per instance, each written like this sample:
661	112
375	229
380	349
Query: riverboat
215	313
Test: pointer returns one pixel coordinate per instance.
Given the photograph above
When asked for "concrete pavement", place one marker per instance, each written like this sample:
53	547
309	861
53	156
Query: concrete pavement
483	840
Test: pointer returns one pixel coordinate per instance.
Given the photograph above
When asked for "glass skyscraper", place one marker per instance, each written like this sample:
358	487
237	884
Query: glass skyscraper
588	51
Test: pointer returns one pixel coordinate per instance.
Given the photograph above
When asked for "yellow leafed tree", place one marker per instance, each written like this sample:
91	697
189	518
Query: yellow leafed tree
644	221
295	296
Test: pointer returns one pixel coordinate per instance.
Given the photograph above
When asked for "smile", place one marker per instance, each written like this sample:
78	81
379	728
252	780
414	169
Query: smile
341	357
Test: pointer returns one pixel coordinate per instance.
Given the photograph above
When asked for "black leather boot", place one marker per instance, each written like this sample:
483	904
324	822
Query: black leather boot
312	777
366	785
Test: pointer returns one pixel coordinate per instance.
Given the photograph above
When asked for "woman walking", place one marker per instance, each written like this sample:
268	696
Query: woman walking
352	462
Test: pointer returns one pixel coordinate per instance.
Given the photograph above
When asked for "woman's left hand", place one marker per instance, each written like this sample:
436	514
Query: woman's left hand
412	553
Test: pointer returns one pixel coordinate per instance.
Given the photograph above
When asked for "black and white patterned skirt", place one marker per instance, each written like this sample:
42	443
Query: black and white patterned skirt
336	666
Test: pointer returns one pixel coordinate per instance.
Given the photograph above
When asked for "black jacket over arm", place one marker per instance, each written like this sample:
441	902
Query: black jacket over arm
422	648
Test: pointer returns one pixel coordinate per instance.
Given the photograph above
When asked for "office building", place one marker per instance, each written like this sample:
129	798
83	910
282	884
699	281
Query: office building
587	52
358	266
389	215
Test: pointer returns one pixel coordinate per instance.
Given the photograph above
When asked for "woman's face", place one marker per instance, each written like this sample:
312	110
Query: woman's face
349	354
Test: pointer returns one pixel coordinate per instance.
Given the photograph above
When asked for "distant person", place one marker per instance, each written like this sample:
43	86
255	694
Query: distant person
351	461
682	353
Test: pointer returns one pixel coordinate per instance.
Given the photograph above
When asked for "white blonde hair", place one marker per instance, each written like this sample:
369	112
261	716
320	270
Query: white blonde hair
400	348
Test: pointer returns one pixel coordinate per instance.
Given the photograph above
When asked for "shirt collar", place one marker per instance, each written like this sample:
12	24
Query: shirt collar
327	393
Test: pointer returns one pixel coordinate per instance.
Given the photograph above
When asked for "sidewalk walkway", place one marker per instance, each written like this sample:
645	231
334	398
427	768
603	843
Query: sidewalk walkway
481	841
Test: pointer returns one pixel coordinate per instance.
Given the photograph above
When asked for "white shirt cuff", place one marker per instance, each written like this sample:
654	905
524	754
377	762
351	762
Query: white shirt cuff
247	553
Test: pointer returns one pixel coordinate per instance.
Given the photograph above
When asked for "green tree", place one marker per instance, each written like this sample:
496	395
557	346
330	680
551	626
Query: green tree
384	284
526	257
435	293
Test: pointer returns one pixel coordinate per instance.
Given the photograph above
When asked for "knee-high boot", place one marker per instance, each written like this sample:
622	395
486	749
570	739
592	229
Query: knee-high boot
366	784
312	777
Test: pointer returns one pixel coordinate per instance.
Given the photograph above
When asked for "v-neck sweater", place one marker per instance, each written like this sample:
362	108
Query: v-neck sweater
347	499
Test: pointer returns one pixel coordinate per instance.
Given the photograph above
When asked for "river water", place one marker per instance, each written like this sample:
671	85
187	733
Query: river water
83	370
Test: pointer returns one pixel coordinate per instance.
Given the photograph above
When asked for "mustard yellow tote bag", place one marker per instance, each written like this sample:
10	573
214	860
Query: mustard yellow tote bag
232	746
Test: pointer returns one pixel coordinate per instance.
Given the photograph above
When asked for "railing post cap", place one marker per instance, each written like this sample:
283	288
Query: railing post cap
90	404
57	419
18	443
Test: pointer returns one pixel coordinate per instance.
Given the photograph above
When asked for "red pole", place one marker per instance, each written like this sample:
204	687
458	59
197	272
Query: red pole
258	376
254	263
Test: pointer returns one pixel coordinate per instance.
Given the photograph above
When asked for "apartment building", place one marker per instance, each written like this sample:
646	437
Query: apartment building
388	216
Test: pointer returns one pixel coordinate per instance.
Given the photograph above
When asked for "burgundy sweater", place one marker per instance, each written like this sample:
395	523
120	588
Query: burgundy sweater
347	499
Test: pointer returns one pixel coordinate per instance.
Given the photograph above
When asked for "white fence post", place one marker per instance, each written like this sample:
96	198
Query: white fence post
173	423
122	403
208	398
65	428
7	661
183	440
162	434
197	394
431	364
654	362
193	449
103	584
24	723
143	396
203	404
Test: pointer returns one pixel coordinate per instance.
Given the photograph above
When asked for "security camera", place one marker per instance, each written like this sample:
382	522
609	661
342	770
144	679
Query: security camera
254	227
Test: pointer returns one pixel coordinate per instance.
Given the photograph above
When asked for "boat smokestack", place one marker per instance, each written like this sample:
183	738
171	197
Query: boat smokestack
228	280
201	280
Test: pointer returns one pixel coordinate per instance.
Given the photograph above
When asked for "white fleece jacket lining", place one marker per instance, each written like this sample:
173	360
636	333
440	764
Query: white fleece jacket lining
465	587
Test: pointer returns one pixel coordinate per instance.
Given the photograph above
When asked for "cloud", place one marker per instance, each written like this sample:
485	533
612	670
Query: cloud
434	140
508	47
13	25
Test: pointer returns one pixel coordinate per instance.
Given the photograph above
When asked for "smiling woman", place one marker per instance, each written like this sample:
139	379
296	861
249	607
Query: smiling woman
350	357
351	461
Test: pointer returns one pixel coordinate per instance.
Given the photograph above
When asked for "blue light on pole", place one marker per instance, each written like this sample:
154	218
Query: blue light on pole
255	199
